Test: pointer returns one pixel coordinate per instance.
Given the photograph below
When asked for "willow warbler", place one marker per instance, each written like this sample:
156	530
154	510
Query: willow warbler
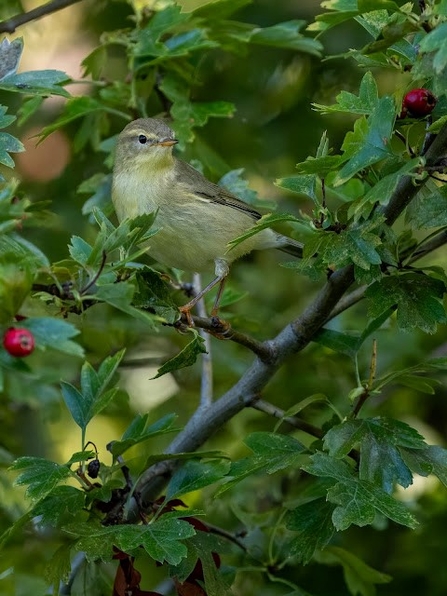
196	218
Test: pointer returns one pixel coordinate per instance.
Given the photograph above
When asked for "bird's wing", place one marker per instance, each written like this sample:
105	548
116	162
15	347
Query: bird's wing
193	179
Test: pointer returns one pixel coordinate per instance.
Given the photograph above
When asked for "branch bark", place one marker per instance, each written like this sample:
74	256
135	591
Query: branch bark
17	20
291	340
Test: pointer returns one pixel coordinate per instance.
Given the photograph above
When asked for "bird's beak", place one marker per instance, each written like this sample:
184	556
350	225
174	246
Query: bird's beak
167	142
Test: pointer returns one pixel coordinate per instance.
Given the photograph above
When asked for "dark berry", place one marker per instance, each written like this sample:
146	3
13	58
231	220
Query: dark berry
93	468
418	103
18	342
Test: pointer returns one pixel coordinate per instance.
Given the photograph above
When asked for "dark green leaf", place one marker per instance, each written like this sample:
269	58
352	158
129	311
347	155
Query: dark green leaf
343	343
161	539
41	475
138	431
313	522
63	502
303	185
369	143
93	397
286	35
417	297
428	210
186	357
359	577
195	475
436	41
120	296
364	103
358	501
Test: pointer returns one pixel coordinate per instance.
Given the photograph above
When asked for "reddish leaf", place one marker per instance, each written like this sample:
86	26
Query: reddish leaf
189	589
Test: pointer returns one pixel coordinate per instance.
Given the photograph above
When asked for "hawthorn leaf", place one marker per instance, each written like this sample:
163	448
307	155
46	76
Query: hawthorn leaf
360	577
40	475
195	475
313	522
369	143
417	297
138	431
186	357
63	501
350	103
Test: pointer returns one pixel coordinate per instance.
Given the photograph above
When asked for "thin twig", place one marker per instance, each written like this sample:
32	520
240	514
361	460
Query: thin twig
11	24
225	331
206	380
272	410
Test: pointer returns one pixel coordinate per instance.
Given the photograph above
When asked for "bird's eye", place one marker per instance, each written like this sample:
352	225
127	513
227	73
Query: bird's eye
142	139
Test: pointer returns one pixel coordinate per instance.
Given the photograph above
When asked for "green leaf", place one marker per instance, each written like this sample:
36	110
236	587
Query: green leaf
76	107
369	143
138	431
286	35
155	294
343	343
54	333
359	577
161	539
364	103
79	250
36	82
305	184
120	296
57	571
195	475
354	245
313	522
9	144
278	451
417	297
381	191
41	475
219	9
186	357
63	502
428	209
271	452
93	397
436	41
432	460
266	221
341	439
358	501
379	440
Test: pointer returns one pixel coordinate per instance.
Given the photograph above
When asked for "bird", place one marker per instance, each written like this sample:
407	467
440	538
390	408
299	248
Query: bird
196	219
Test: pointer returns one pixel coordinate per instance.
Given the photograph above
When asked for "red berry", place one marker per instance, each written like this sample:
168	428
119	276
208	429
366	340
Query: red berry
418	103
18	342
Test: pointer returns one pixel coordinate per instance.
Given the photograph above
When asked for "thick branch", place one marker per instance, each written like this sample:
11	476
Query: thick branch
292	339
11	24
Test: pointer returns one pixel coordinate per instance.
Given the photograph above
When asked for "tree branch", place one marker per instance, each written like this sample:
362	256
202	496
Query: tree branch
292	339
11	24
272	410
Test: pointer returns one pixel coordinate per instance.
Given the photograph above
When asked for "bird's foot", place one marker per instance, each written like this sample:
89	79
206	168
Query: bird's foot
219	327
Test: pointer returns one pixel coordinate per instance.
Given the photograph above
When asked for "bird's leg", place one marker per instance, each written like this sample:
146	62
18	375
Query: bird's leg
221	270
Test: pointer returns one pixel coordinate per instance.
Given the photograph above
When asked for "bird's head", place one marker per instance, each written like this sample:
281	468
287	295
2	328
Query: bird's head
145	141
